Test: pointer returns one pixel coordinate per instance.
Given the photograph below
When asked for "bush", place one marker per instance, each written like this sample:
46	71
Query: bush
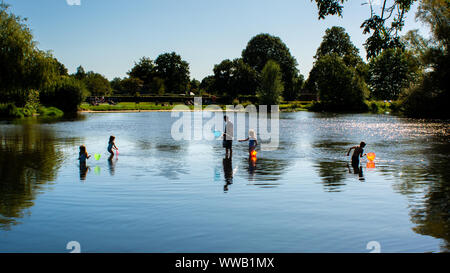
65	94
341	89
50	112
9	110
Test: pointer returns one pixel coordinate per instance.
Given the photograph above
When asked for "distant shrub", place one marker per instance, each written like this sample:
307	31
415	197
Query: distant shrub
50	112
9	110
65	94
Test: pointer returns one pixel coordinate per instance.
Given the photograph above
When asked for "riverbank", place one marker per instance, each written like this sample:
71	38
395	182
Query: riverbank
130	107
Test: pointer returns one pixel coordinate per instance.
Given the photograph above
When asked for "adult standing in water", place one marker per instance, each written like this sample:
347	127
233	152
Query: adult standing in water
228	137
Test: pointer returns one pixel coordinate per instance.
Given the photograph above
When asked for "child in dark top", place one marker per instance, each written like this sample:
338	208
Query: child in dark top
357	154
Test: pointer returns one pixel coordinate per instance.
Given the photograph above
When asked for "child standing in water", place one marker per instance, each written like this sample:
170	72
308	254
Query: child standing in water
111	146
83	156
252	141
357	154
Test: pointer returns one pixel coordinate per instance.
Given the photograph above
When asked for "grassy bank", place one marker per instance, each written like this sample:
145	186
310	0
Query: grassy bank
377	107
150	106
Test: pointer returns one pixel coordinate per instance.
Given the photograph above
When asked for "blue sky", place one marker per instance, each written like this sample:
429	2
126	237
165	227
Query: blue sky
108	36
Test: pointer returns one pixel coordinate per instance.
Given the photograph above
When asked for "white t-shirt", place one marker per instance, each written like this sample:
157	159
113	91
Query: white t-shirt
229	131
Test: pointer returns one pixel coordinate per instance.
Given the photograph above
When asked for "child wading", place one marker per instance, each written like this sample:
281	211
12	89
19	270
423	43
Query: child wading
111	146
357	154
252	141
83	157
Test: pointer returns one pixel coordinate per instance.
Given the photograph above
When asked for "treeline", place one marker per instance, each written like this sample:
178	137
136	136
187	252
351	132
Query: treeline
411	72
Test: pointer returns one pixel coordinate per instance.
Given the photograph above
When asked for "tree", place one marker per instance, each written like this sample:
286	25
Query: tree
80	74
158	86
116	85
194	86
337	41
340	87
132	86
384	26
264	47
430	96
271	87
66	93
174	71
23	66
207	84
390	73
234	78
145	70
97	84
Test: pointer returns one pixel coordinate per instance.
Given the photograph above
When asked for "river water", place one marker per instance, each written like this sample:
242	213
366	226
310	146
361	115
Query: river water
163	195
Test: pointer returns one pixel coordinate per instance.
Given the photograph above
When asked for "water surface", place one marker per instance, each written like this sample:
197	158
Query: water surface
163	195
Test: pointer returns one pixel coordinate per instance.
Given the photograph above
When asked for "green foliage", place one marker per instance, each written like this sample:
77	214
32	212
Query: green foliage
264	47
383	27
337	41
271	87
234	78
380	107
9	110
194	86
50	112
207	84
24	68
97	84
174	71
391	72
145	70
80	74
132	85
158	86
32	102
340	87
66	94
430	96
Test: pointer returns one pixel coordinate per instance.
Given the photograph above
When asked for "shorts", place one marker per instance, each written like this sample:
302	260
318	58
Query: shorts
227	144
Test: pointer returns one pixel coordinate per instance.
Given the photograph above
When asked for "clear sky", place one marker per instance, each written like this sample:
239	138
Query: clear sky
108	36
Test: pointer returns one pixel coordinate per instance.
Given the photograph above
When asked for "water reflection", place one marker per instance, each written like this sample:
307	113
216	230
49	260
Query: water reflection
28	160
432	215
333	174
227	172
84	169
357	169
112	161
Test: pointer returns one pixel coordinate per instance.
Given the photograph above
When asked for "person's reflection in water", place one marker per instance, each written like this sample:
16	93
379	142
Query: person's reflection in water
84	169
252	166
112	165
357	169
228	173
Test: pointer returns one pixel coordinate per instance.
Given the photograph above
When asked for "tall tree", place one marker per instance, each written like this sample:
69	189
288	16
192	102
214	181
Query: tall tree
264	47
340	87
431	95
391	72
97	84
234	78
383	25
145	70
337	41
174	71
23	66
271	87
